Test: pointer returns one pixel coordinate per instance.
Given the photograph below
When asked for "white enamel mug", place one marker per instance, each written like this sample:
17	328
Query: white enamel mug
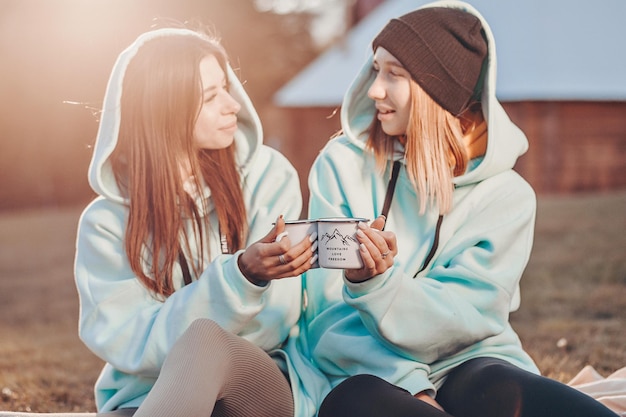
338	247
298	230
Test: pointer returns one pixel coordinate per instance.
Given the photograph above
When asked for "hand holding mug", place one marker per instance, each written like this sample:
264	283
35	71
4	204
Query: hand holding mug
377	249
274	257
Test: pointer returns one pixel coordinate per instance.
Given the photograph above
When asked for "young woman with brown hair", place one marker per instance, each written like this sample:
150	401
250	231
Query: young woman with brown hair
177	257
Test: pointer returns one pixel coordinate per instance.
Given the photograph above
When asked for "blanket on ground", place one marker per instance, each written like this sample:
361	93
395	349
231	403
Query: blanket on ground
610	391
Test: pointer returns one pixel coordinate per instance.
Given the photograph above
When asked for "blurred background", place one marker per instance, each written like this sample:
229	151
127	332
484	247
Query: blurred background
561	77
56	57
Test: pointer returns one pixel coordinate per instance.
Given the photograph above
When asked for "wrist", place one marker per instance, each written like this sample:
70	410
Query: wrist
248	275
354	277
257	282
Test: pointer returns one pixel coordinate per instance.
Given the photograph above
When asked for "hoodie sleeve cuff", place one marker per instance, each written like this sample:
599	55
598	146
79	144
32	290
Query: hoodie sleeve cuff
420	386
241	284
358	289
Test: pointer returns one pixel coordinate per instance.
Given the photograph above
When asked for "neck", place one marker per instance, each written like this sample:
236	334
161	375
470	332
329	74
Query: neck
474	134
185	170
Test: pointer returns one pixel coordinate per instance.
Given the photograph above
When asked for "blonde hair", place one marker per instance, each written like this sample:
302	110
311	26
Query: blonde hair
434	150
160	102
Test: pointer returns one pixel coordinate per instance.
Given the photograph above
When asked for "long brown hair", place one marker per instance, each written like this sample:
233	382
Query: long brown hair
434	150
160	102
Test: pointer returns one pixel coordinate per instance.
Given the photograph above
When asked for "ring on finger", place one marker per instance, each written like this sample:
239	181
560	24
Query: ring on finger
281	258
384	255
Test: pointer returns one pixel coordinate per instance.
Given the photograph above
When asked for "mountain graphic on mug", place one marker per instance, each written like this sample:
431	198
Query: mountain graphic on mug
326	238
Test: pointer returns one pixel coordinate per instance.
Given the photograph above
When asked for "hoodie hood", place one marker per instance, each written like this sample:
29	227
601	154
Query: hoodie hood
248	137
506	142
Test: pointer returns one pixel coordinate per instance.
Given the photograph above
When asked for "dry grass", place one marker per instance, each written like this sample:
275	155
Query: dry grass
574	288
43	364
575	285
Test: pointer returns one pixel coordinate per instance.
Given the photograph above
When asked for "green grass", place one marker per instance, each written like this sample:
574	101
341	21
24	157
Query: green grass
574	289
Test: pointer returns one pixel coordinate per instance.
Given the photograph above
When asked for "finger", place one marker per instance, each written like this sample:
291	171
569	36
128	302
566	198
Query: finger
379	222
384	241
279	227
302	261
392	242
282	261
388	244
296	267
381	254
281	235
299	254
272	255
374	242
304	244
369	264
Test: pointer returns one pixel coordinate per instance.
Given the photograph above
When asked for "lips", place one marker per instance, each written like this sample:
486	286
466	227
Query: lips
384	114
231	126
383	111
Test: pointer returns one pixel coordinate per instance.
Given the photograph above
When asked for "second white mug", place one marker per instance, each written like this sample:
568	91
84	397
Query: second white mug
338	247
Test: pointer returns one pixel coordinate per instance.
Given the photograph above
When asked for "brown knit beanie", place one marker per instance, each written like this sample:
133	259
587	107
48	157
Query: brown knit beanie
443	49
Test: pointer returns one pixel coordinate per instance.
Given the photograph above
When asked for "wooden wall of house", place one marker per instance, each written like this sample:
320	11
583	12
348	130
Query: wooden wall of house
300	133
575	146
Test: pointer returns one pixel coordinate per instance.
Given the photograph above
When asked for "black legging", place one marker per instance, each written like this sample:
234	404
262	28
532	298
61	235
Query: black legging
482	387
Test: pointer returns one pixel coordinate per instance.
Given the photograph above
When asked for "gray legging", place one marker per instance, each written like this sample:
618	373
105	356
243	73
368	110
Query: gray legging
212	372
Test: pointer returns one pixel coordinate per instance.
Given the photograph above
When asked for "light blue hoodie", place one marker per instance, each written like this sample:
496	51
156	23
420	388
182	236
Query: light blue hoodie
413	331
120	320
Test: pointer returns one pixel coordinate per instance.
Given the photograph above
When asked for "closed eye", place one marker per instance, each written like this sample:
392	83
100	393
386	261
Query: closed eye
209	97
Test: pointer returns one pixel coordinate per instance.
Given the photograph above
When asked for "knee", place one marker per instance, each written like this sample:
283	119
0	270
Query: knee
211	340
203	342
357	395
482	386
204	334
201	329
499	383
360	384
492	370
203	325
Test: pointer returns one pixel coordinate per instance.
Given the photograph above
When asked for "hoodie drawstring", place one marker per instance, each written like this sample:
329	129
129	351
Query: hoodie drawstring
391	187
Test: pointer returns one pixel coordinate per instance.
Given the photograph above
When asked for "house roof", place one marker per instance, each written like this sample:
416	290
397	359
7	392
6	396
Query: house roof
547	50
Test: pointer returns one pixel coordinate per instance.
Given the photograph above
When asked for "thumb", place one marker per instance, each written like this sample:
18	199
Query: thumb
279	227
379	222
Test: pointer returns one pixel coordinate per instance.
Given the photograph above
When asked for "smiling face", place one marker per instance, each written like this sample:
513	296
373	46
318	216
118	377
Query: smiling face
216	123
391	92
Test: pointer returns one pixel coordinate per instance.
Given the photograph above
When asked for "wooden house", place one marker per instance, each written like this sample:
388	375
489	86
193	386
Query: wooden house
561	78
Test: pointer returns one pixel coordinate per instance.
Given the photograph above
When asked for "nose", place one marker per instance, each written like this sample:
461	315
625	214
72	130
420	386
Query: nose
377	89
230	104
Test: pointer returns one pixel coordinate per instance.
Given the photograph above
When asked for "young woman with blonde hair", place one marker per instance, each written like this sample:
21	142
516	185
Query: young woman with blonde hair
422	329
